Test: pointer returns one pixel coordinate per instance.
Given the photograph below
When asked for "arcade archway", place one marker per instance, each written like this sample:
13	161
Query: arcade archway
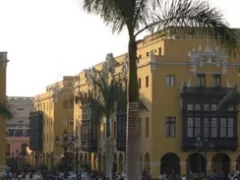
221	163
238	164
114	165
100	162
120	163
196	164
146	162
170	163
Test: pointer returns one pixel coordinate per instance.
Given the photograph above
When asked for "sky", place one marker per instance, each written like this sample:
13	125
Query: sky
47	39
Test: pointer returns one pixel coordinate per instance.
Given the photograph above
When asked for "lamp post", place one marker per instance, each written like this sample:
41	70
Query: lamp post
64	144
78	173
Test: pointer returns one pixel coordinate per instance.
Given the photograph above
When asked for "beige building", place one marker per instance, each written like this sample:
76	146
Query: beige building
57	105
181	78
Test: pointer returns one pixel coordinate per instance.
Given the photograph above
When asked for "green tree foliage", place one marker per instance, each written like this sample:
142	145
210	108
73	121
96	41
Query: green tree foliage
105	94
5	112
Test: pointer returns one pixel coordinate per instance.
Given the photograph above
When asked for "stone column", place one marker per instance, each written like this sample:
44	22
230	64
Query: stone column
209	166
183	168
233	166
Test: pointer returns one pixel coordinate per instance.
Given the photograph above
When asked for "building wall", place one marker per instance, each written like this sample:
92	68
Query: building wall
159	57
3	62
15	143
18	127
166	100
57	106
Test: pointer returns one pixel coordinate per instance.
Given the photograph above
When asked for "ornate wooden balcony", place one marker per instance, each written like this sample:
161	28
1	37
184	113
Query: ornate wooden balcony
121	129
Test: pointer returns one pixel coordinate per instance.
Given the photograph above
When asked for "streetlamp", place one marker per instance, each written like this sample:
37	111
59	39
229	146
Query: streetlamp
65	145
78	173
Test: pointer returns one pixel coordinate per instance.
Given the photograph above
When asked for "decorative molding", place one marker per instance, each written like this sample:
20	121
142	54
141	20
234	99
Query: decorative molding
111	63
207	56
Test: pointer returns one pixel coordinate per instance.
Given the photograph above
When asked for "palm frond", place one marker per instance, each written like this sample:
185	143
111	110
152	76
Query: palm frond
232	98
88	98
196	17
5	112
122	94
109	11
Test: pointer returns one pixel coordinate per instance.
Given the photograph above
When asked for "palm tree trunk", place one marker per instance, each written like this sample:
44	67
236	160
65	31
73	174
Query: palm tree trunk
133	131
108	145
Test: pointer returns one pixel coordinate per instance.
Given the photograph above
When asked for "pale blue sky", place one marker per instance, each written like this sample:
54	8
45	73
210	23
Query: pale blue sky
47	39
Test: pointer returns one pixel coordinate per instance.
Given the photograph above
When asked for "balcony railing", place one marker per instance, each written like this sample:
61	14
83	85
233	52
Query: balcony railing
212	144
89	136
207	90
121	130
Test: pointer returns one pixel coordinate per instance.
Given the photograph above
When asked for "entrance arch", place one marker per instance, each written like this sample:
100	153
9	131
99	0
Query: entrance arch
238	164
120	163
95	165
146	162
114	165
196	164
170	163
86	158
221	163
104	162
99	162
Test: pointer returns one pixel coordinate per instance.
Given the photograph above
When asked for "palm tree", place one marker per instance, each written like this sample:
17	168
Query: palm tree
106	95
5	112
138	16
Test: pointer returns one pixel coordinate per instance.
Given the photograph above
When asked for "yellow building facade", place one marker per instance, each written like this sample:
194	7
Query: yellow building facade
57	106
181	127
3	66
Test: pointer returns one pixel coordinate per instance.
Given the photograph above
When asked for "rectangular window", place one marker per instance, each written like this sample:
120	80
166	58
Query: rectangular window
201	80
206	107
139	83
147	53
147	81
20	109
217	80
197	107
170	80
230	127
213	107
206	127
87	113
170	128
231	108
190	127
214	131
147	127
223	127
197	127
160	51
190	107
